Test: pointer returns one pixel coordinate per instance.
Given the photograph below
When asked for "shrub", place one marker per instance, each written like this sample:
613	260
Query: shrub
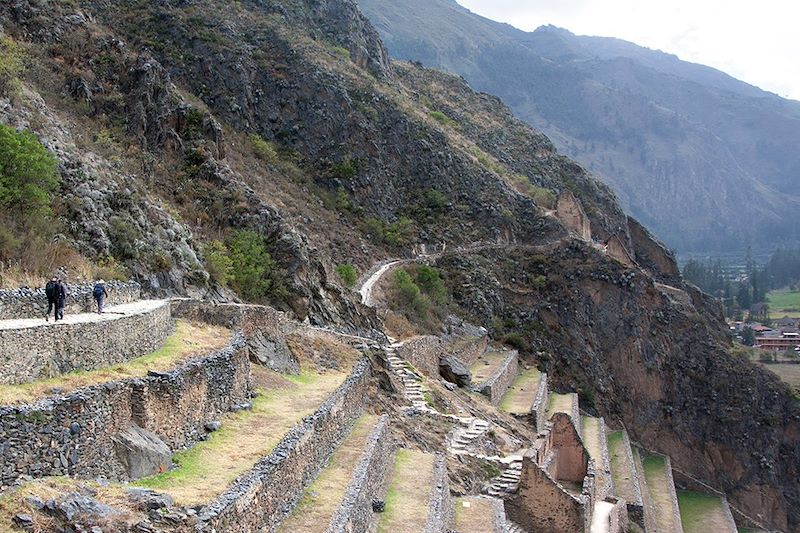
397	233
28	172
442	119
420	297
342	200
255	274
341	52
430	281
346	169
264	150
12	65
347	273
435	200
218	263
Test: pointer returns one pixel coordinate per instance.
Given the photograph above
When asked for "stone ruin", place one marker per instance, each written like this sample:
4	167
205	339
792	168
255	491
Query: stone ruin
571	214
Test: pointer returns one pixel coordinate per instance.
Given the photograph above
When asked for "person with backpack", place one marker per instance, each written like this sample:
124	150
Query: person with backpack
100	293
50	293
61	298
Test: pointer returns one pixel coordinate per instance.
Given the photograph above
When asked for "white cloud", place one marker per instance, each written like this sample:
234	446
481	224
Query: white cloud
756	42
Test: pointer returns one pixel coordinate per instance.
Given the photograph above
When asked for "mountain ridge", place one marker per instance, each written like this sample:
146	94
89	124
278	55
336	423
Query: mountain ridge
705	161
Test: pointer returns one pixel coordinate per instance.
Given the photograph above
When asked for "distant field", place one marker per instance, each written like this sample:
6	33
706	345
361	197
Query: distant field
789	373
784	303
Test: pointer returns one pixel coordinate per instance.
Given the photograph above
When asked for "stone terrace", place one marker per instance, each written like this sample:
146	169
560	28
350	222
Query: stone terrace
32	349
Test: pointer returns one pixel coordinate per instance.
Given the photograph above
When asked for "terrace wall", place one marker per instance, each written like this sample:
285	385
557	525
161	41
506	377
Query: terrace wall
264	496
369	481
32	303
75	434
47	350
501	379
440	506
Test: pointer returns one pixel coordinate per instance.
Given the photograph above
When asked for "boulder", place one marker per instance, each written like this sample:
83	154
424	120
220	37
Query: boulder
455	371
142	452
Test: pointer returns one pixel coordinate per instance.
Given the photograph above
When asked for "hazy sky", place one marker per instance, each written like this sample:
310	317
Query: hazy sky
758	42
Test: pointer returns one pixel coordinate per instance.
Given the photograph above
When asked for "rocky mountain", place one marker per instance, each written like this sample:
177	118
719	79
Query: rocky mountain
707	162
178	125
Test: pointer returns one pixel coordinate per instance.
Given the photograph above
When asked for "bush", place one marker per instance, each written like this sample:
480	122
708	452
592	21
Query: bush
430	281
12	65
397	233
218	263
255	274
28	173
442	119
346	169
264	150
347	273
420	296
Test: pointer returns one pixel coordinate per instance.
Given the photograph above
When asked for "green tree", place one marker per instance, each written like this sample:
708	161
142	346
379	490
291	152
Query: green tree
430	281
218	262
12	65
254	273
28	173
748	336
347	273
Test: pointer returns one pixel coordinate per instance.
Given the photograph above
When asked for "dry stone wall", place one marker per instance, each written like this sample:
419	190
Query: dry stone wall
423	352
369	481
440	505
501	379
539	408
75	434
32	303
264	496
52	349
265	329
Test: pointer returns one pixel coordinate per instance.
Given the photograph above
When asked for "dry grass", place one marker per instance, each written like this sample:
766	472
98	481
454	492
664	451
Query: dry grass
789	373
484	367
206	470
323	496
14	502
590	427
321	350
473	515
519	398
189	340
559	403
409	492
398	326
621	468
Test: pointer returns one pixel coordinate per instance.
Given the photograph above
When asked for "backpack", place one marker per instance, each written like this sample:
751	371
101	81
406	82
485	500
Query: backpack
98	291
50	289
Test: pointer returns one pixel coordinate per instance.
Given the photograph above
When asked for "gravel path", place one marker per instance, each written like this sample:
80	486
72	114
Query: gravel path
110	313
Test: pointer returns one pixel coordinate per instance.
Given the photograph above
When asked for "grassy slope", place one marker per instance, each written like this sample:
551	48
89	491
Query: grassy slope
206	470
407	498
784	303
701	513
519	397
323	496
660	490
621	469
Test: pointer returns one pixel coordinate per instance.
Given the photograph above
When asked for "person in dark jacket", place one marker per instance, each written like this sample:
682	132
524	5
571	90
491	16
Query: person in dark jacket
100	293
50	292
61	299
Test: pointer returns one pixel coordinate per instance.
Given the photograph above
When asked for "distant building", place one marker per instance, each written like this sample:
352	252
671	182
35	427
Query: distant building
779	340
787	322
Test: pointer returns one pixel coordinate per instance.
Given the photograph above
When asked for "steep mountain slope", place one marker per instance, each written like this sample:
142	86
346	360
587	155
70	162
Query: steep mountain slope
152	111
704	160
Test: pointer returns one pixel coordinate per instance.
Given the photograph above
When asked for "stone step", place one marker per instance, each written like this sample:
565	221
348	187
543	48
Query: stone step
702	512
341	495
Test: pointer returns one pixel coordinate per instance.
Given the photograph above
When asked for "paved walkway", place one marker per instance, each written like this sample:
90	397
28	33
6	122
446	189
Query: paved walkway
109	313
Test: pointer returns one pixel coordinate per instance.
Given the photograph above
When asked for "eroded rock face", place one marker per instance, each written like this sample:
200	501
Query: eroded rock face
658	363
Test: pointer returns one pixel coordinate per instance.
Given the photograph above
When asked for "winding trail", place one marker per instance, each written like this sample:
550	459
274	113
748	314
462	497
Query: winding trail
369	284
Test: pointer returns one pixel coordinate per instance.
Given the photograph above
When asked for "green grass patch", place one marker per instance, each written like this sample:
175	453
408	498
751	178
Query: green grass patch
784	303
653	465
519	398
697	509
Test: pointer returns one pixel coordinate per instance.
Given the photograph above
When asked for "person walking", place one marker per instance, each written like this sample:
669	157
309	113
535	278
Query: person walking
50	293
61	298
100	293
